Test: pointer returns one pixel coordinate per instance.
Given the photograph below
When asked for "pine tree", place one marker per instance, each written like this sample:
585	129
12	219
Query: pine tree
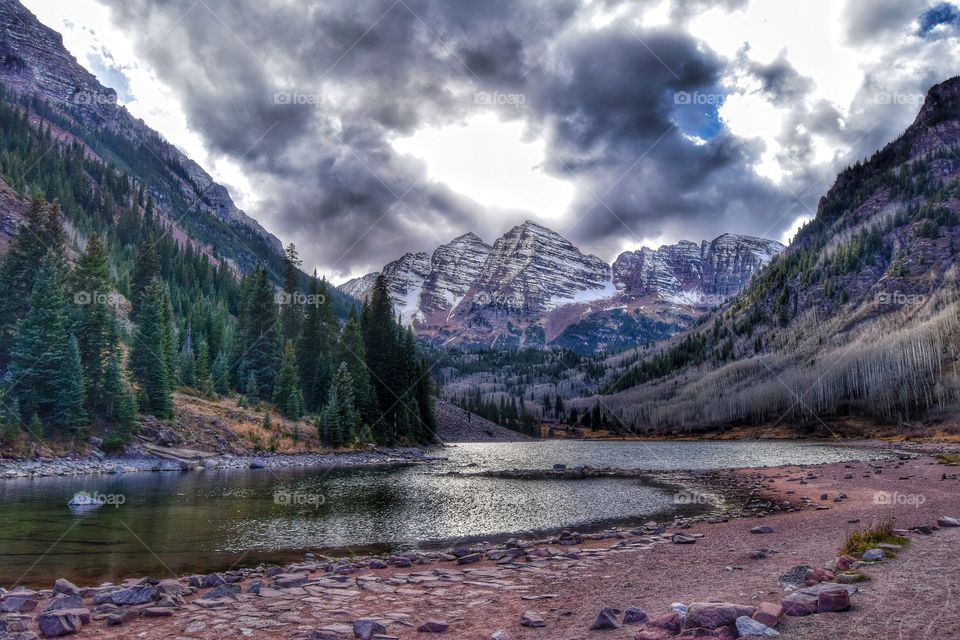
146	268
119	404
340	421
259	342
187	360
94	324
291	315
47	379
202	375
42	234
221	373
318	337
287	396
352	352
149	359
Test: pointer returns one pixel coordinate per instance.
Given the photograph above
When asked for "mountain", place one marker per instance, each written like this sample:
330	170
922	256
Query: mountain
39	75
534	287
859	318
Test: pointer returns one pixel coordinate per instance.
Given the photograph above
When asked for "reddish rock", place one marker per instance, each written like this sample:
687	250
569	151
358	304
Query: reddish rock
845	562
818	575
833	600
433	626
800	604
712	615
532	619
768	613
669	622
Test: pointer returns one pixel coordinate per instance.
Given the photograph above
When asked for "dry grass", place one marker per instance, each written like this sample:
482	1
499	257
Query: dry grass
881	532
948	458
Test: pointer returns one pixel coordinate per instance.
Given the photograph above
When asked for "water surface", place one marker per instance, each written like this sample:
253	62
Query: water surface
173	523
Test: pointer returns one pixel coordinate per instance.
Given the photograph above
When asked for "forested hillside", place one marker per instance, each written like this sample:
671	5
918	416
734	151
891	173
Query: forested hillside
858	317
108	306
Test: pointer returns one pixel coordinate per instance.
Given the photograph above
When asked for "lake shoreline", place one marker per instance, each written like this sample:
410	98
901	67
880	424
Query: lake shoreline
11	469
564	580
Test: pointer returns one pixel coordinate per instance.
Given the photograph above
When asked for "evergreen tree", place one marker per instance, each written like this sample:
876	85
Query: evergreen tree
119	404
94	324
187	360
202	375
291	315
318	337
340	421
352	352
259	342
287	396
149	360
146	268
45	370
42	234
221	373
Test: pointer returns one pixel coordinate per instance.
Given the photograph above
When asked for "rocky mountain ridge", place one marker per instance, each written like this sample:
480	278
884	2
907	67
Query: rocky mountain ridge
532	285
39	75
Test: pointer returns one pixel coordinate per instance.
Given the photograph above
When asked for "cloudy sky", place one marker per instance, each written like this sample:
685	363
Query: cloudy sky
360	129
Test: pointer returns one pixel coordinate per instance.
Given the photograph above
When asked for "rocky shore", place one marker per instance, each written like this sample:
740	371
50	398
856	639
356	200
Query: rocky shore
99	464
768	564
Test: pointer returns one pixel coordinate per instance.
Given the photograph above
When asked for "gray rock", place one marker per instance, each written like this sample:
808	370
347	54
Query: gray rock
873	555
65	602
762	529
135	595
682	539
66	587
500	634
750	627
365	628
222	591
54	624
795	577
946	521
532	619
212	580
121	617
635	615
433	626
608	618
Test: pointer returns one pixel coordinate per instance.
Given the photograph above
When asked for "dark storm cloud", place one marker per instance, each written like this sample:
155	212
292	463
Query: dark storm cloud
306	97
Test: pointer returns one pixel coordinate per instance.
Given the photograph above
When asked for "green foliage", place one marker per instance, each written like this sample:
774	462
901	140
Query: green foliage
339	421
149	359
881	532
45	368
287	396
691	350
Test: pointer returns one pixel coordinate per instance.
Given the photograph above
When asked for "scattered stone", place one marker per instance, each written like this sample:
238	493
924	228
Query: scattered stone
433	626
713	615
946	521
750	627
470	559
66	587
19	601
222	591
800	604
365	628
670	623
634	615
121	617
500	634
682	539
873	555
837	599
532	619
768	614
135	595
762	529
64	622
795	577
65	602
606	619
156	612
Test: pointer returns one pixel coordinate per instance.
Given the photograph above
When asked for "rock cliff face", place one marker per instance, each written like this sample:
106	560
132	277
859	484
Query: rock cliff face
703	275
533	286
34	64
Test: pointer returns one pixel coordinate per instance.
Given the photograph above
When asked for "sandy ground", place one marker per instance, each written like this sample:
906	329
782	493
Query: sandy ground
910	597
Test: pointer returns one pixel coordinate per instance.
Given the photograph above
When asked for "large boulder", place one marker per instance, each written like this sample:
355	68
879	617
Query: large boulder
836	599
65	587
712	615
141	594
63	622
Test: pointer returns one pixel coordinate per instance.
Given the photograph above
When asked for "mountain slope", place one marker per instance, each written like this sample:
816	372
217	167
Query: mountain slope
859	316
533	287
40	75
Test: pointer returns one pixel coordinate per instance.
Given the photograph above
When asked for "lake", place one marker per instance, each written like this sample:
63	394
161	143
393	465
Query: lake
174	523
